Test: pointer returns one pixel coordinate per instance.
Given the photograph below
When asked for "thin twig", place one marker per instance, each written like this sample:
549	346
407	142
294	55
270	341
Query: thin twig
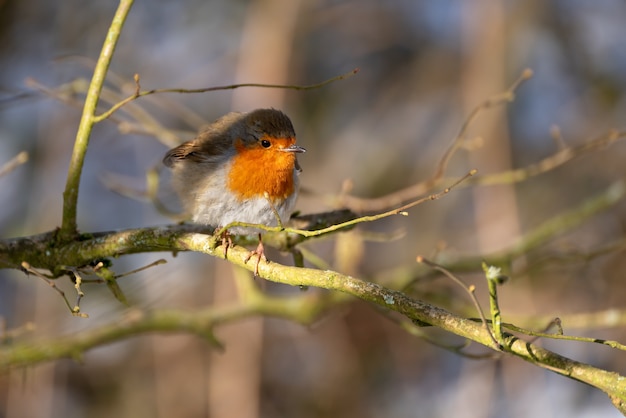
408	193
78	280
554	322
139	93
562	156
13	163
559	336
535	238
370	218
501	98
279	221
493	275
137	270
28	269
417	331
470	291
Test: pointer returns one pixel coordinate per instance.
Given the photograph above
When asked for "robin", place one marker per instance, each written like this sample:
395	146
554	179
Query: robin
242	167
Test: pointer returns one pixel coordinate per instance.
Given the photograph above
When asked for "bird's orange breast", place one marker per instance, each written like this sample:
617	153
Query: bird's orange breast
256	170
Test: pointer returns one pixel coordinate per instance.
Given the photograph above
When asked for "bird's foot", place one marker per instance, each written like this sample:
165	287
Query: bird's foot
227	241
259	253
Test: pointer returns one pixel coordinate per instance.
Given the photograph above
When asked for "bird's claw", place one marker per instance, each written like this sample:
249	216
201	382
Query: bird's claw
259	252
227	242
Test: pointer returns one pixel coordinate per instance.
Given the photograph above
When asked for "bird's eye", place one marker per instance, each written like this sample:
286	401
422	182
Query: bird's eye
265	143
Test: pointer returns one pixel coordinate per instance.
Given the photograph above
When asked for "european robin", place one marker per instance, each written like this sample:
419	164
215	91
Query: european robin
240	168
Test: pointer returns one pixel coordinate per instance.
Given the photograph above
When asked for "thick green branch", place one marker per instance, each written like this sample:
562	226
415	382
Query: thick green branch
179	238
70	195
611	383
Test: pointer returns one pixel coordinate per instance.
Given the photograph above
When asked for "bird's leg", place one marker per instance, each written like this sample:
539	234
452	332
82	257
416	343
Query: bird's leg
227	241
260	253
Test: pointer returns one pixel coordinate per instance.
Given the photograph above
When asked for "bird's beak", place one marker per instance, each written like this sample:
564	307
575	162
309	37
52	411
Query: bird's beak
293	148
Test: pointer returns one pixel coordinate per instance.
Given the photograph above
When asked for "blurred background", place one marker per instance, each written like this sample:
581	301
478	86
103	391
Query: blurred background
423	67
